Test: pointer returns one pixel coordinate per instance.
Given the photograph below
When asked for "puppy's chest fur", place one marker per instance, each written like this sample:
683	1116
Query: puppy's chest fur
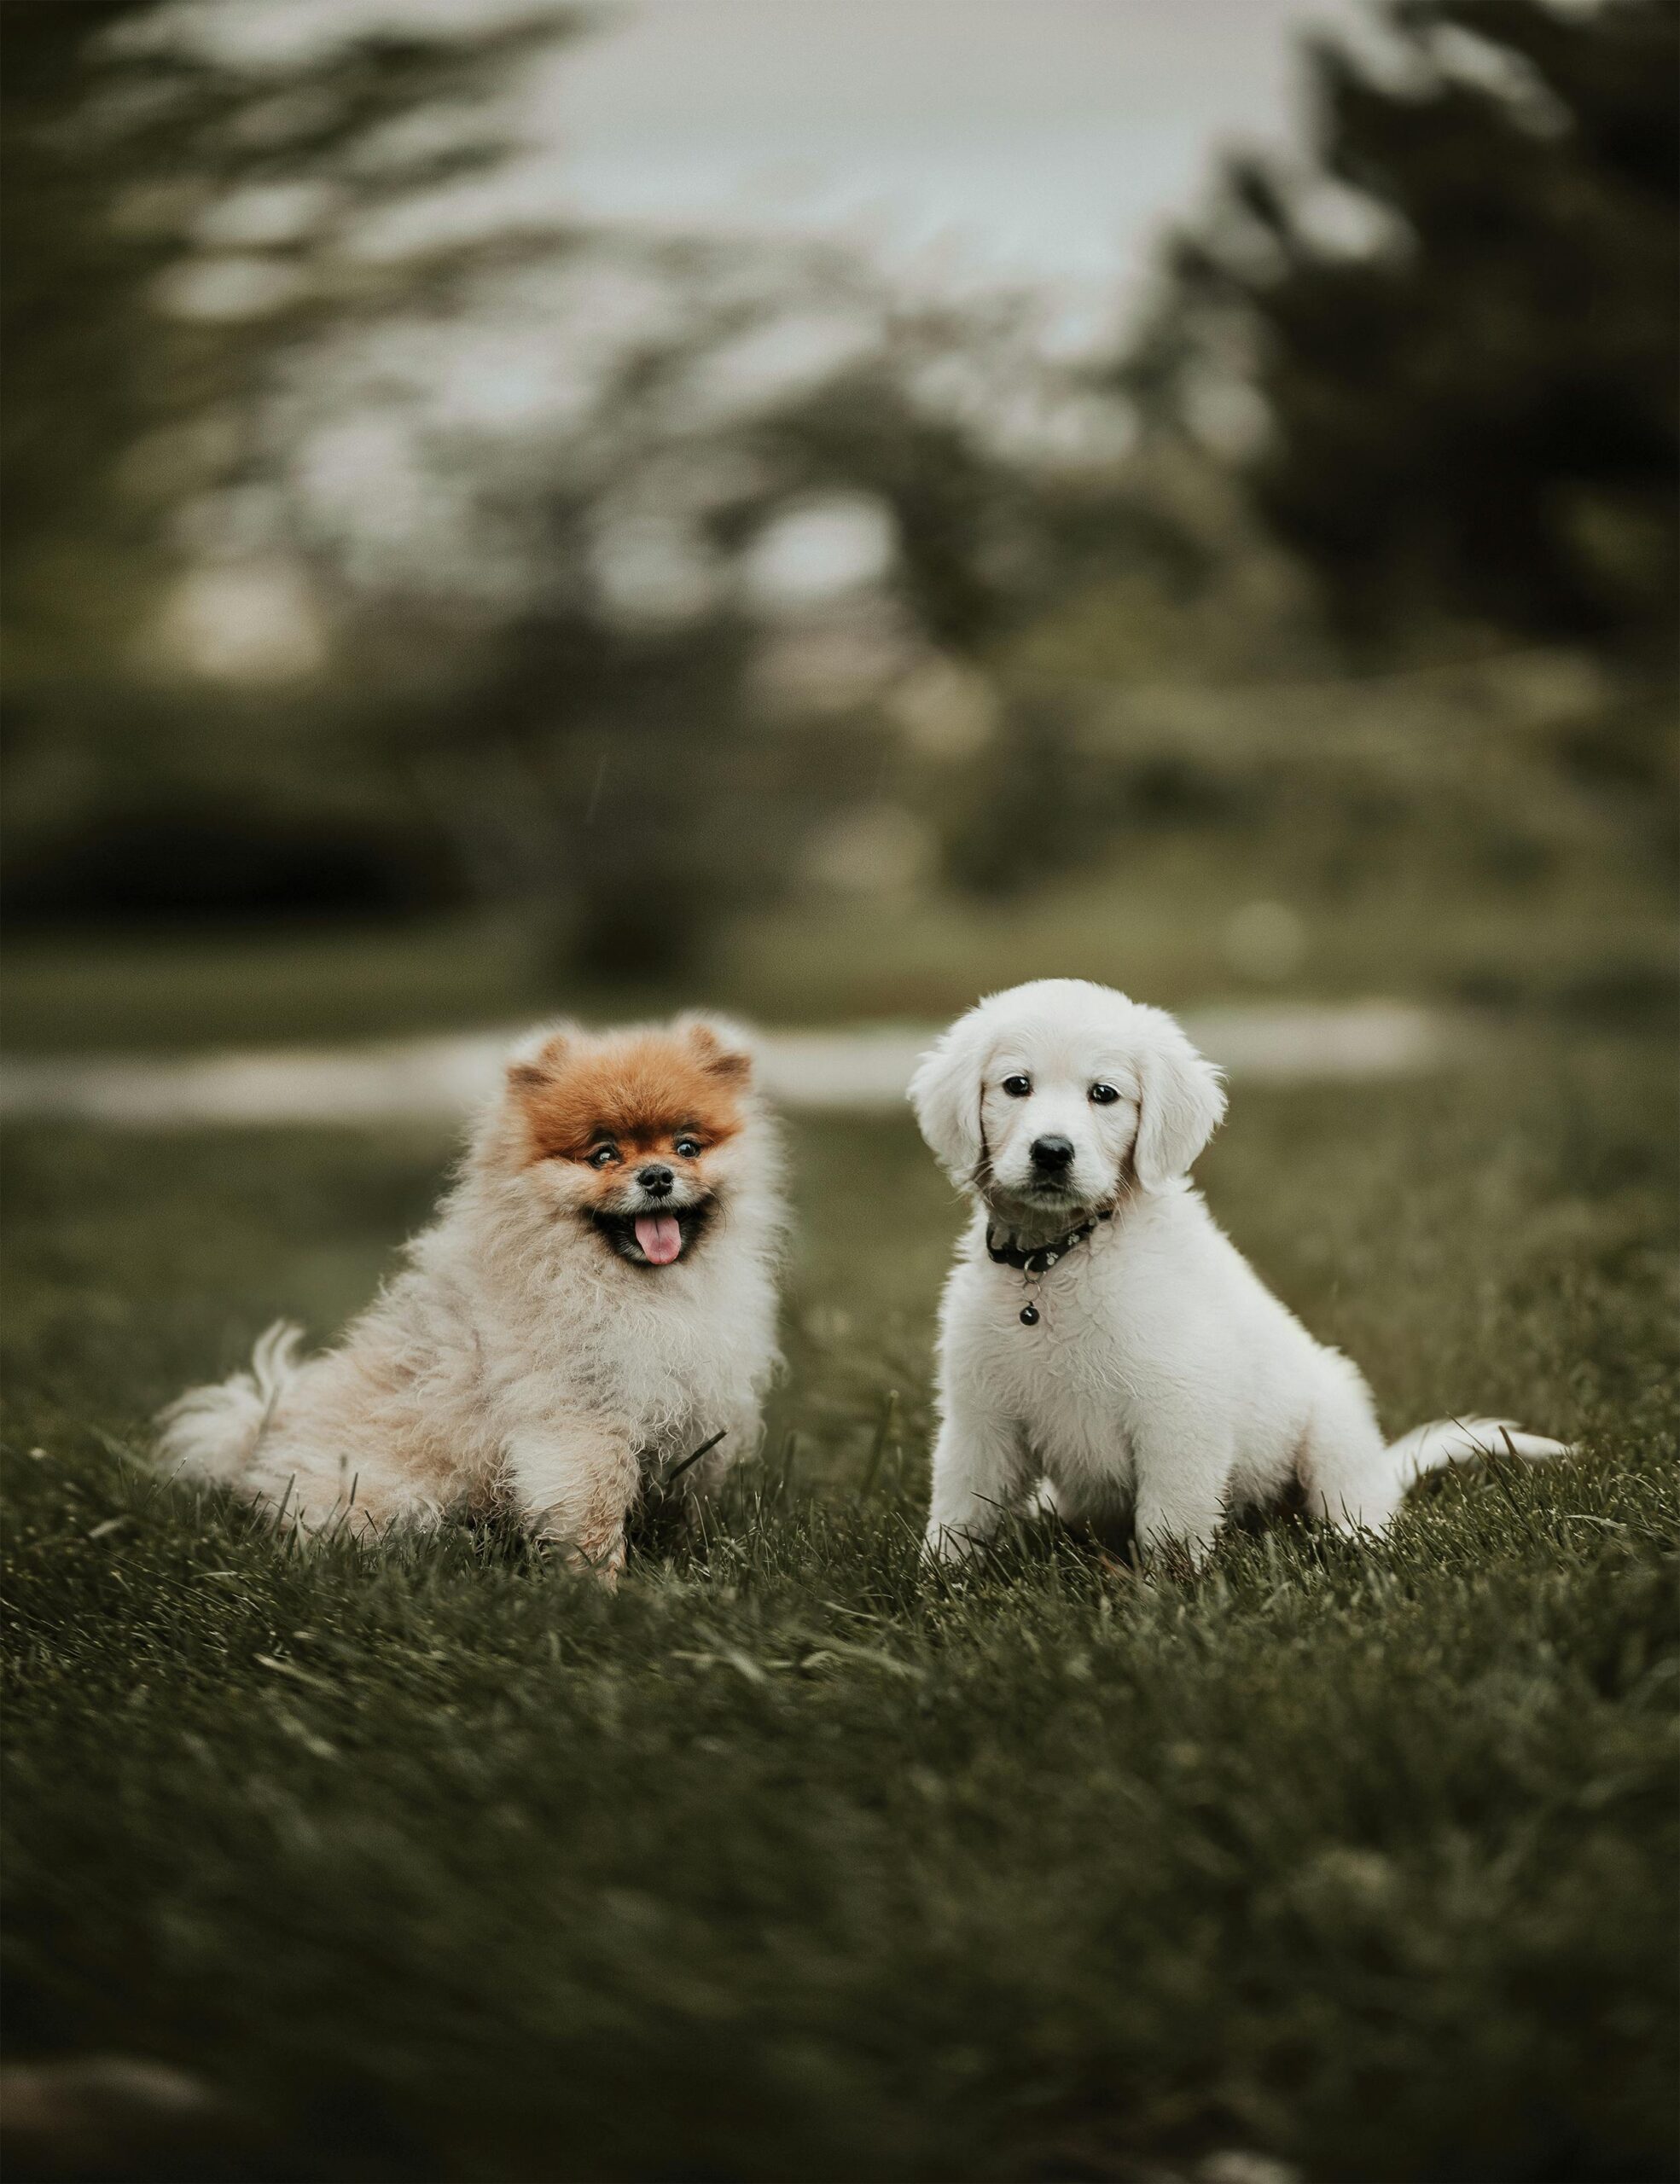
1073	1380
653	1367
667	1357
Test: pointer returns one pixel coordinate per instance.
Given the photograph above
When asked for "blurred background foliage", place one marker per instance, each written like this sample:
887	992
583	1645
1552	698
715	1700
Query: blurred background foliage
576	607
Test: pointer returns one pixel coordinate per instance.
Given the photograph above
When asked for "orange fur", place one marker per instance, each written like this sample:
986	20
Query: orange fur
641	1091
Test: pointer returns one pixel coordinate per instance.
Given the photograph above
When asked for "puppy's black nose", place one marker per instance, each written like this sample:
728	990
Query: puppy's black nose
1052	1154
654	1179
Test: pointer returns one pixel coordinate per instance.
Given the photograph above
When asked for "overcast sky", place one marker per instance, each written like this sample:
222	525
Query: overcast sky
1045	143
1044	140
967	144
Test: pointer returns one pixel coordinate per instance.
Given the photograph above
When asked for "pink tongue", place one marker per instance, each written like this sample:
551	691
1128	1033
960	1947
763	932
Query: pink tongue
660	1236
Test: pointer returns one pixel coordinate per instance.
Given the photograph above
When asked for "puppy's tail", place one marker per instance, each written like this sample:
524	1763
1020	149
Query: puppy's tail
1461	1440
213	1432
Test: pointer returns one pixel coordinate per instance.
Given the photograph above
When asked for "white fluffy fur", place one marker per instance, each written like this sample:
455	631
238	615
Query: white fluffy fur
514	1361
1163	1378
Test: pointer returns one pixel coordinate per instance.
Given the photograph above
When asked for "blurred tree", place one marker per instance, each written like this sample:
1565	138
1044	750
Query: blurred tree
1462	326
134	150
69	400
536	611
1032	808
650	742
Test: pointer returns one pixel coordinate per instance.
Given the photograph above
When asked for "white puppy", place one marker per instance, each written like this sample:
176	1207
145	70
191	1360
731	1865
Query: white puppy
1099	1331
595	1303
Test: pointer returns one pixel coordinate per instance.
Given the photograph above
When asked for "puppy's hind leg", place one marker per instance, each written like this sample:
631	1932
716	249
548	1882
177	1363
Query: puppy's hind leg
321	1494
573	1484
1351	1477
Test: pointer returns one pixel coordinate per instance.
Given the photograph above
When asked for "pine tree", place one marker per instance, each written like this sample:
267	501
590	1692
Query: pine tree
1472	407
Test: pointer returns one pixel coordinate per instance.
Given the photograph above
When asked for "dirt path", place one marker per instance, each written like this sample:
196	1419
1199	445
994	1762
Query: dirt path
863	1068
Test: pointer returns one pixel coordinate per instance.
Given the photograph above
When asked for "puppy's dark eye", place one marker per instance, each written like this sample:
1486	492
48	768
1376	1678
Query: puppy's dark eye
690	1148
1104	1094
1017	1086
603	1156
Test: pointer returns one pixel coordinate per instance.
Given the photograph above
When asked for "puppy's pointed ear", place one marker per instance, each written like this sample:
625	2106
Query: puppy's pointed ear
721	1048
1181	1102
540	1056
944	1094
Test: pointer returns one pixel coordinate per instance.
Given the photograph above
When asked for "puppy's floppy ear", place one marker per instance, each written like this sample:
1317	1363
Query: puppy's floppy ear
1181	1101
540	1056
944	1094
721	1048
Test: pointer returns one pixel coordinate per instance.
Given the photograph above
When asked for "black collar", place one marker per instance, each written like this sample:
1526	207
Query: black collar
1044	1257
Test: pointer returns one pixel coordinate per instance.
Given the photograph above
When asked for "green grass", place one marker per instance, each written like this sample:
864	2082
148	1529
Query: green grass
792	1860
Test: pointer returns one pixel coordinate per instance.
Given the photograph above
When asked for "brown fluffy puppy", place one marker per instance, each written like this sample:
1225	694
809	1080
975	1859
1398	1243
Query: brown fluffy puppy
595	1300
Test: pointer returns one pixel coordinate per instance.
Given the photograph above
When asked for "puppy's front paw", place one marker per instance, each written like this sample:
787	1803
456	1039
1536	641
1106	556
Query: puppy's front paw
1176	1554
602	1563
948	1547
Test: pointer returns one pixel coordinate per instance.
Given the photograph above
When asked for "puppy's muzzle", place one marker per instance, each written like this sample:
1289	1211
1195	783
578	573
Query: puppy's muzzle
1052	1156
653	1221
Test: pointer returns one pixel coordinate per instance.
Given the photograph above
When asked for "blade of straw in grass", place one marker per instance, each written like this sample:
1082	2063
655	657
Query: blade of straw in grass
703	1449
872	1470
297	1675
